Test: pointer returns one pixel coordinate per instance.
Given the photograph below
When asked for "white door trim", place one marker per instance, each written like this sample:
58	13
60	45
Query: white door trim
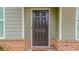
22	22
60	23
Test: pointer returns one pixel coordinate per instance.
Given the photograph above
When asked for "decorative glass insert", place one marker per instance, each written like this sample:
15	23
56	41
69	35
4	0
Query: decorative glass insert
43	13
36	13
1	22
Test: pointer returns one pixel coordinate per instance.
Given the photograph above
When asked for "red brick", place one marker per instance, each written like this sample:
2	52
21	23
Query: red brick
68	45
15	45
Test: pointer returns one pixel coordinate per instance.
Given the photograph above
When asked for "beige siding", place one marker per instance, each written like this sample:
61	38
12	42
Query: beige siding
57	23
68	22
27	23
54	23
13	22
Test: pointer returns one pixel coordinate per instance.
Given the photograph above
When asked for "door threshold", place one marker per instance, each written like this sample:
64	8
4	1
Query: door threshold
40	46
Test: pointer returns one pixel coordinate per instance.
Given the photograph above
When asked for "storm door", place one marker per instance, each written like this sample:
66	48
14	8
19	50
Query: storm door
40	20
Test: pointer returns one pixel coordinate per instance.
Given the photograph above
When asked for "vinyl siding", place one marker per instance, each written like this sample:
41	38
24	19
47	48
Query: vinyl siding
54	23
13	22
57	23
68	23
27	23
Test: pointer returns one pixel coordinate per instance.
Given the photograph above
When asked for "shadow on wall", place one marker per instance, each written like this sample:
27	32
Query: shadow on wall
1	48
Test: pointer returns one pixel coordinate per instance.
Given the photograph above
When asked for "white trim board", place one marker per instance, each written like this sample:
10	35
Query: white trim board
3	24
22	22
76	26
4	21
60	23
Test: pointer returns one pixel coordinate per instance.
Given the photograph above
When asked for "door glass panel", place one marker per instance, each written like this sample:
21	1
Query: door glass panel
43	13
36	13
43	23
37	23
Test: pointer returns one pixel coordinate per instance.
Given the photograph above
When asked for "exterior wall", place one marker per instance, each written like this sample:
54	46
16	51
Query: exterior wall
27	23
70	45
68	42
53	25
68	23
14	30
15	45
13	22
57	23
23	45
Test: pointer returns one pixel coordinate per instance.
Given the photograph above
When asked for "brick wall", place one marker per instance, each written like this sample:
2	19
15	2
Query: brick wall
23	45
53	44
15	45
71	45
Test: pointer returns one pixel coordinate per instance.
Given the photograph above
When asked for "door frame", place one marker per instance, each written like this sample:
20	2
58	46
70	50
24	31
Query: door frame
48	28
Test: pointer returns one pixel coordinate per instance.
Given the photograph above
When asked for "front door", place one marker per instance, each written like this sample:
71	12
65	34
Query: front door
40	20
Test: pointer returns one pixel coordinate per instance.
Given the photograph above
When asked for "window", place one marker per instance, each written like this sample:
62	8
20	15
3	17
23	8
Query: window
1	22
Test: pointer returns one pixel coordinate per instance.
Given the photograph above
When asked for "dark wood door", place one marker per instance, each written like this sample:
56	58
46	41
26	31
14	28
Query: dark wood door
40	27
